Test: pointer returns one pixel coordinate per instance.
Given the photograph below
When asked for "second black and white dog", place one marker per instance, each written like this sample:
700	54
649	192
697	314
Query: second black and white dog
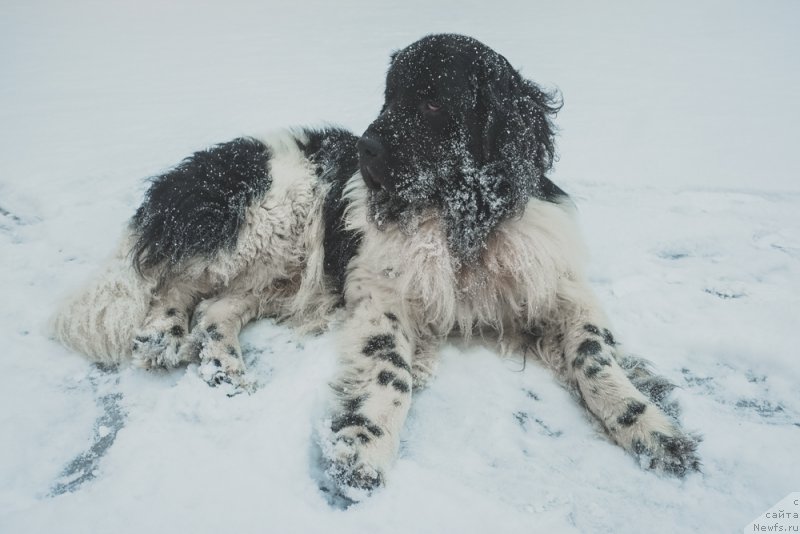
439	220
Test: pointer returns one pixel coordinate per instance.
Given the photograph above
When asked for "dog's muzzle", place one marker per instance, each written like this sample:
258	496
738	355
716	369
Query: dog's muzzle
372	159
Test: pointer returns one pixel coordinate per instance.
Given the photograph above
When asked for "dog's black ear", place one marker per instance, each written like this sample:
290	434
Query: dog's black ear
517	118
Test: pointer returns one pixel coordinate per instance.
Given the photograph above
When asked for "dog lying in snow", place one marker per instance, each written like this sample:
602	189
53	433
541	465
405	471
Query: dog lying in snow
438	220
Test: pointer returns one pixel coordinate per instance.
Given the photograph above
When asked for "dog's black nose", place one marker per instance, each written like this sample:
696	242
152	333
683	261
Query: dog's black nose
372	157
370	149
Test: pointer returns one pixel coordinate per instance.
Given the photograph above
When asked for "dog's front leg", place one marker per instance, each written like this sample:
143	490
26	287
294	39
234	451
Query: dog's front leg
621	391
159	341
214	338
372	393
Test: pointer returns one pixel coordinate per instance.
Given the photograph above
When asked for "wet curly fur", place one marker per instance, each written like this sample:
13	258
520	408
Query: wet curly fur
439	220
462	132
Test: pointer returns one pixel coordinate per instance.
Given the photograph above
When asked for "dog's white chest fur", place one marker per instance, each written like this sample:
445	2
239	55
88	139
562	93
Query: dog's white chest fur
517	276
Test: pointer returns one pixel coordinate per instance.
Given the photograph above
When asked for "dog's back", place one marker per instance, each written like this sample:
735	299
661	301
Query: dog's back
234	218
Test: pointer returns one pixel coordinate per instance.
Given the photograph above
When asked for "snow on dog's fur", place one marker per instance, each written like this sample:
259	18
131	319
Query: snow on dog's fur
439	220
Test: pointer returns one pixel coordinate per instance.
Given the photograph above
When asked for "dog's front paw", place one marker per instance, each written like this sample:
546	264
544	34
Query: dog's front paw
355	455
158	346
226	370
347	470
674	454
219	353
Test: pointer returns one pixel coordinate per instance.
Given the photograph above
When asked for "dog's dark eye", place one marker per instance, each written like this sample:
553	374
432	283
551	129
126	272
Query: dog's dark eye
432	106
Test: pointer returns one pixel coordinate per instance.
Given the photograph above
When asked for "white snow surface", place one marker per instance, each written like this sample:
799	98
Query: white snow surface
678	141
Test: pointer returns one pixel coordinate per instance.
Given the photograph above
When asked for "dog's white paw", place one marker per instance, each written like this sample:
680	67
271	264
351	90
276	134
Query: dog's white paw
155	347
352	469
674	454
219	353
348	471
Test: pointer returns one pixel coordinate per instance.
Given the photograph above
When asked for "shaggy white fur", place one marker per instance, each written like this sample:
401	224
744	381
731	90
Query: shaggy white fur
101	319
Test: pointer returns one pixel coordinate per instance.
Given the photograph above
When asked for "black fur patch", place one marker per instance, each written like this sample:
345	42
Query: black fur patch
176	331
657	388
632	413
548	191
354	419
395	359
589	348
333	153
354	403
592	371
213	333
586	349
379	342
391	316
400	386
197	208
384	377
592	329
331	150
601	360
608	337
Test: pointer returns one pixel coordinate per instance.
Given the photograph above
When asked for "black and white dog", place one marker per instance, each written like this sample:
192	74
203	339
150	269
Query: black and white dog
438	220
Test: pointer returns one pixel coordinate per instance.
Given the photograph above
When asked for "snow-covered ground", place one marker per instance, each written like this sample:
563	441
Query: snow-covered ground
678	140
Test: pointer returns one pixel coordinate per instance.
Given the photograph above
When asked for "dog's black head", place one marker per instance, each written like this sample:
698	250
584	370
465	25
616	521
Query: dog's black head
460	130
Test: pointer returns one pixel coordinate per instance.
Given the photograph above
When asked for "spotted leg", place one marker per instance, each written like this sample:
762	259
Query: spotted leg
372	395
159	341
214	338
623	393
